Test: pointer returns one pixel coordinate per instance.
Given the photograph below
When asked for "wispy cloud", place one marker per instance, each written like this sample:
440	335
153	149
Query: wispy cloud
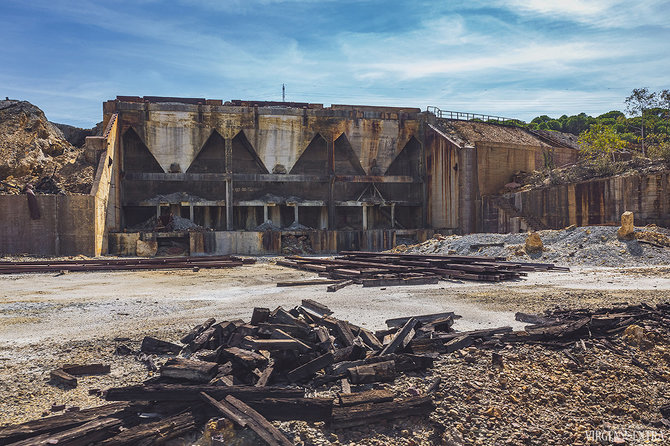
512	56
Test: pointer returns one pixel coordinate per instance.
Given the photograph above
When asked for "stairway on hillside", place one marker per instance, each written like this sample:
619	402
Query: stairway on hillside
531	221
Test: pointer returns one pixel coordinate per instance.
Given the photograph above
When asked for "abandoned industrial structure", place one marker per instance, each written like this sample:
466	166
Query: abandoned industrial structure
251	173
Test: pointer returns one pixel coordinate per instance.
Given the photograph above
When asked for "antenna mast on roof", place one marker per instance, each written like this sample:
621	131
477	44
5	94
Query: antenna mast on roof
283	93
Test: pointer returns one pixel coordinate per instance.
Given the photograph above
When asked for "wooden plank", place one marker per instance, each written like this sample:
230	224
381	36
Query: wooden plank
179	392
363	414
191	335
13	433
281	334
86	369
344	333
188	369
290	409
61	377
370	396
309	369
428	280
292	283
370	339
265	377
260	314
316	307
458	343
91	432
157	432
202	339
259	424
423	319
225	409
339	285
153	345
401	338
366	374
244	358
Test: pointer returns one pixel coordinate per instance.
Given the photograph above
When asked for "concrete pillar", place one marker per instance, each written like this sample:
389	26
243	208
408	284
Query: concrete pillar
207	217
251	222
275	215
158	210
323	218
266	215
365	216
219	217
295	214
229	205
191	211
392	215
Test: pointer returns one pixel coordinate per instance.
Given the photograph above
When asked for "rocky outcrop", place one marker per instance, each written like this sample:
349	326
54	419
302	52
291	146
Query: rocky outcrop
76	135
32	149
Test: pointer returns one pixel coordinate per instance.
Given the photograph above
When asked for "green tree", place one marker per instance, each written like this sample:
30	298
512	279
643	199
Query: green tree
641	99
600	142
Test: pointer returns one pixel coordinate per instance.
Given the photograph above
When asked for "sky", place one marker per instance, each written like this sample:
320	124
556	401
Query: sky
511	58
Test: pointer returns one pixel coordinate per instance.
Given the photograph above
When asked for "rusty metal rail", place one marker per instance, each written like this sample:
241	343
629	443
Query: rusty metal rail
45	266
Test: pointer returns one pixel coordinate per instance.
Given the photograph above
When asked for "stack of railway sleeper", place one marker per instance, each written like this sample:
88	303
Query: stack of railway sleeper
384	269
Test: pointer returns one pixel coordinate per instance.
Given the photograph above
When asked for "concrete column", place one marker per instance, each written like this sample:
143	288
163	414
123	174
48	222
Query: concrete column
392	215
191	211
266	215
158	210
229	205
207	217
331	190
220	215
323	218
295	214
251	222
365	217
275	215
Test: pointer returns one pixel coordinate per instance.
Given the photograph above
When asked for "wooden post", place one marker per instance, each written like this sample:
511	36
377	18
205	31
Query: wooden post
191	212
295	214
392	215
265	213
365	216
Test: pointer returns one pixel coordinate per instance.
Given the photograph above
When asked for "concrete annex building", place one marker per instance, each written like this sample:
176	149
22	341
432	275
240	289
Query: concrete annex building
360	177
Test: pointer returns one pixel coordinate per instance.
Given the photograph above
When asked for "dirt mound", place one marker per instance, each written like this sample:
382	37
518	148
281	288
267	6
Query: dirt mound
591	245
32	149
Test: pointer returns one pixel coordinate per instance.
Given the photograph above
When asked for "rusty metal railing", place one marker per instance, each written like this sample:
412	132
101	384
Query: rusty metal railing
465	116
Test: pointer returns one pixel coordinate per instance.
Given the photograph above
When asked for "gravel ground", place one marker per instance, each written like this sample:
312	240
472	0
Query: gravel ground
590	245
538	398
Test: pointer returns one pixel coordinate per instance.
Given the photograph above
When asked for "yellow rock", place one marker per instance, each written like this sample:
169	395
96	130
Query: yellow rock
534	243
627	228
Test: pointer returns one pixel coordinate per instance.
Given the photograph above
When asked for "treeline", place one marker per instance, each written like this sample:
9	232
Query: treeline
643	130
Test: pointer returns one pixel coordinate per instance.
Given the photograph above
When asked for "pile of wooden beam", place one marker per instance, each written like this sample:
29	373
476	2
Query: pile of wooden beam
112	264
251	373
372	269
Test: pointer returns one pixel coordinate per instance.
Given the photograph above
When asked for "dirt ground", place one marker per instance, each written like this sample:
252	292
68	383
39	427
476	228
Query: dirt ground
47	320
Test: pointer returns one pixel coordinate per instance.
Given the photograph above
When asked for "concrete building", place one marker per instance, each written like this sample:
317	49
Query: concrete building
344	177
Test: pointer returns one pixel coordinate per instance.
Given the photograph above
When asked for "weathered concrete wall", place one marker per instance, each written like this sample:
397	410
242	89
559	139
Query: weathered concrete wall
593	202
497	163
66	226
442	181
104	190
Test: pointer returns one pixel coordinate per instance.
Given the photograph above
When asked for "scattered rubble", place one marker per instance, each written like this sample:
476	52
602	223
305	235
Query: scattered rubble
588	245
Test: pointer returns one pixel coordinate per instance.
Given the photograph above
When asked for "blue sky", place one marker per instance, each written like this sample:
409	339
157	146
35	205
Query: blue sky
507	57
